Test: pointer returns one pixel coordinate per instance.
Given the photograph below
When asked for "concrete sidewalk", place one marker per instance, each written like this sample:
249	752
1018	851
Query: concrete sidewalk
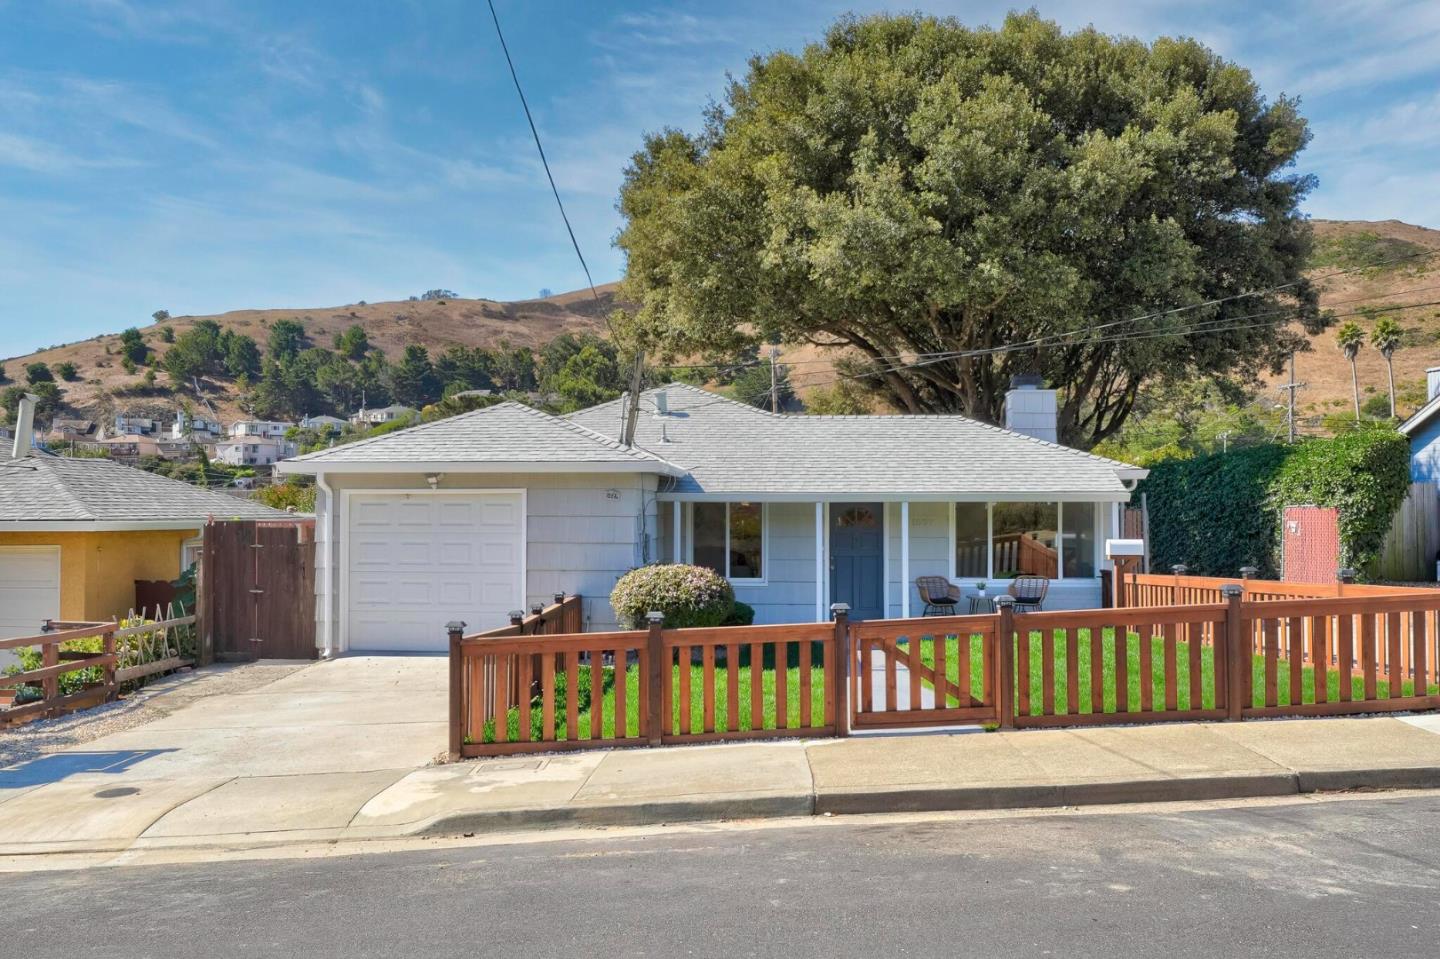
141	800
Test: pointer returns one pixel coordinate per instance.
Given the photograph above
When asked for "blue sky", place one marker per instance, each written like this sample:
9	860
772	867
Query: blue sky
207	155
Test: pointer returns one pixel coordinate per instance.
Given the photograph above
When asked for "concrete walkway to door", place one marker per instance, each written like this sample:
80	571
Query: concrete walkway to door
303	753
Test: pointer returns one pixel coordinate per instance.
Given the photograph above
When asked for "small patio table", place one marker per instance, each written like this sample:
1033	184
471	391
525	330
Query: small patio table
982	604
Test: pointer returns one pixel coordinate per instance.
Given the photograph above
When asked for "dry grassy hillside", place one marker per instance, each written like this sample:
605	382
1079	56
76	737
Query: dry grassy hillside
391	326
1341	245
438	324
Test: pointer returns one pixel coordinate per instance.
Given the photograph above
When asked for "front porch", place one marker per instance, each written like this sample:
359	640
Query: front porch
791	559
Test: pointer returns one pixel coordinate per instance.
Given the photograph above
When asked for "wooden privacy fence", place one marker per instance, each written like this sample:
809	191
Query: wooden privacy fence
257	590
1256	655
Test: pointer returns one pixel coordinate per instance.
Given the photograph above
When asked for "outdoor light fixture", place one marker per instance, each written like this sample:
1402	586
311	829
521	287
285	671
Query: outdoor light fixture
434	480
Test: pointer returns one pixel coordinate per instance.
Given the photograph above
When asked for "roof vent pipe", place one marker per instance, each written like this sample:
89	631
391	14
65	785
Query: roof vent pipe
24	426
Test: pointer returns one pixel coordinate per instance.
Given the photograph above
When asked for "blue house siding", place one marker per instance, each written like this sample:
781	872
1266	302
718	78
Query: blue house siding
1425	453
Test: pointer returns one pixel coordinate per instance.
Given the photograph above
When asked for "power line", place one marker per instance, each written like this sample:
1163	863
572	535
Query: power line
912	358
1201	327
543	161
637	376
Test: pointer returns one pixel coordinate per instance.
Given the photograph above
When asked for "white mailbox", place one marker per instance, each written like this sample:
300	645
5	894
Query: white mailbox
1121	548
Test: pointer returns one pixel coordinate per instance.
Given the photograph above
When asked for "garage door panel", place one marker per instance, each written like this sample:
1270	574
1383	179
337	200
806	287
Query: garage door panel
29	588
417	561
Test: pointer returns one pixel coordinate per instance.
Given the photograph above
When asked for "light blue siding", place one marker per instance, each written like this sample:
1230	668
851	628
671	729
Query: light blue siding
1425	453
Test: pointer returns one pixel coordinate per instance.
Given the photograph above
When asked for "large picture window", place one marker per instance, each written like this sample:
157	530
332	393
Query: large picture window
1077	539
972	540
730	539
1005	540
1025	539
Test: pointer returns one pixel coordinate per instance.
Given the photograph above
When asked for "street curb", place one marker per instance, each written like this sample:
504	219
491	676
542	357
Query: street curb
924	798
1332	780
972	798
633	813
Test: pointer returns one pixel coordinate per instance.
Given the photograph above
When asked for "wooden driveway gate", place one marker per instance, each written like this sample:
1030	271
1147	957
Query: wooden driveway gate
258	589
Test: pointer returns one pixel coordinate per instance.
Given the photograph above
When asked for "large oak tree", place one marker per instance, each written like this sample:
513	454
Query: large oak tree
911	187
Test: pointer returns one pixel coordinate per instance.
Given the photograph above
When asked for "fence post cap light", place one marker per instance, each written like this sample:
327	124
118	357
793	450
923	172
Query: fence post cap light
1248	571
1179	569
559	597
1005	599
1345	575
1232	589
517	614
839	608
455	626
655	616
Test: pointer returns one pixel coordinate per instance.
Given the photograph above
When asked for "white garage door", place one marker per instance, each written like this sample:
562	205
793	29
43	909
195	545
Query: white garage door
415	561
29	588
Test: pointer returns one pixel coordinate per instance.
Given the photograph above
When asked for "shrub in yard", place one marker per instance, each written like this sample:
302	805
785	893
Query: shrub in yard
687	595
742	615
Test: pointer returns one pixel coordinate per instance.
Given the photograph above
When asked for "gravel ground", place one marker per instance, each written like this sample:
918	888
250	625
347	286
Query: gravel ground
159	698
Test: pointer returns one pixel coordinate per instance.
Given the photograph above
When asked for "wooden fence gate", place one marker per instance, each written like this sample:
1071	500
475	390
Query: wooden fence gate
258	590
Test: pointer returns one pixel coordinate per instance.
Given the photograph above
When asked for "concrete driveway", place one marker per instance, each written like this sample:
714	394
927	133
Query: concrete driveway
303	753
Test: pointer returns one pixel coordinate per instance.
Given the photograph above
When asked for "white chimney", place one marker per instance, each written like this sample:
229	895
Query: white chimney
1032	410
662	403
1432	383
24	426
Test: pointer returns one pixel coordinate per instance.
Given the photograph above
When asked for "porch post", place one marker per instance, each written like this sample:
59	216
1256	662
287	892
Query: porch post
676	522
819	562
905	558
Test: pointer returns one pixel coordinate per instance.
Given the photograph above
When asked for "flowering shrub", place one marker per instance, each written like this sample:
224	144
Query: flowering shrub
687	595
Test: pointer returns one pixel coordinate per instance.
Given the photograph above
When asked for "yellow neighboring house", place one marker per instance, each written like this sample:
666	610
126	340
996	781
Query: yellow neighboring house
75	535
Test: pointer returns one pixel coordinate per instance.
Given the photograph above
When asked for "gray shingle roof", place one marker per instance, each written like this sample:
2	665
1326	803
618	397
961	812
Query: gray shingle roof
42	488
732	448
504	434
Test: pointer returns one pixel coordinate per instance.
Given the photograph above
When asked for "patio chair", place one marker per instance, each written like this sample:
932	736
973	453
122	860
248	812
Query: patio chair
938	594
1029	593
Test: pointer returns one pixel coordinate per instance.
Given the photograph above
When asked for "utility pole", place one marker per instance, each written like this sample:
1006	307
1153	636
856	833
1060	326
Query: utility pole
1290	388
632	407
774	380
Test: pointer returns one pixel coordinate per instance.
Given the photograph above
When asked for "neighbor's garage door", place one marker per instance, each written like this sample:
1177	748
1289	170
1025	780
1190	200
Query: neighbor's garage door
415	561
29	588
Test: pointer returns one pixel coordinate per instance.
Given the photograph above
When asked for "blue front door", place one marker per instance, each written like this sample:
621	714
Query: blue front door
857	550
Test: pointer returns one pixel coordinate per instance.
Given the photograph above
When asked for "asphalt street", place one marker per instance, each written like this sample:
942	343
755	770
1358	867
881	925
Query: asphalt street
1353	877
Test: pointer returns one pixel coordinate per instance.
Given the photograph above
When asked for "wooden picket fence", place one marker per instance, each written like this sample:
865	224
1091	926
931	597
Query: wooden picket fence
513	691
1256	653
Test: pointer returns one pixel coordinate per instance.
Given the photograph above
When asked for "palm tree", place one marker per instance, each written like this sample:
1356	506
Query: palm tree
1386	338
1350	338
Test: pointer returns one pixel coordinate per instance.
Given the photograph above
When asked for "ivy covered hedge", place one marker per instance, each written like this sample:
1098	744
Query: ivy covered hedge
1220	512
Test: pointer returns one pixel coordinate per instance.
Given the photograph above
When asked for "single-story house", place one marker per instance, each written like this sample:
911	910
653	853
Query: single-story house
322	421
75	534
385	414
479	514
1423	429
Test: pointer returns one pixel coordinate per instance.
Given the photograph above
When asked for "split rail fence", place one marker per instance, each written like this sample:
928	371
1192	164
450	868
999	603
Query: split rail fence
124	654
1205	650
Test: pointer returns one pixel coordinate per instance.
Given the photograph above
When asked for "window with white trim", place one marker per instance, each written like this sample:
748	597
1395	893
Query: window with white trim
1004	540
730	539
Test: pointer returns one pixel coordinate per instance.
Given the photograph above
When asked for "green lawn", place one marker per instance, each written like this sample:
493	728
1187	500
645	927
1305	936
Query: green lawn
697	703
927	655
1135	678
